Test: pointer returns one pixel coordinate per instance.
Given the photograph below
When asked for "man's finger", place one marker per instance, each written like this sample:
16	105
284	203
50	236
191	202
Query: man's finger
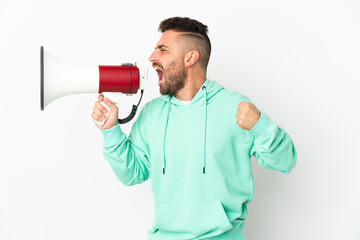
98	112
101	107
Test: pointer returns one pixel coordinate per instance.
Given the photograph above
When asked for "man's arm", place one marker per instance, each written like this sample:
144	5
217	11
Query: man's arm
272	146
128	157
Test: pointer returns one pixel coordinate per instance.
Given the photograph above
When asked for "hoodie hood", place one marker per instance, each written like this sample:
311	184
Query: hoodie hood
212	88
207	91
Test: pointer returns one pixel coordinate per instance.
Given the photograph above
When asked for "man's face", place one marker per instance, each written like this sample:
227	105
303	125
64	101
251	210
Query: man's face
168	61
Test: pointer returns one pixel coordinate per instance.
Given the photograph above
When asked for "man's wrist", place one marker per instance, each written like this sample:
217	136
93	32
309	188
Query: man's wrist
112	135
264	127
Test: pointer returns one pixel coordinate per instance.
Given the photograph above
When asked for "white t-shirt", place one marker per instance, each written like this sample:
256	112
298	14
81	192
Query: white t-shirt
186	102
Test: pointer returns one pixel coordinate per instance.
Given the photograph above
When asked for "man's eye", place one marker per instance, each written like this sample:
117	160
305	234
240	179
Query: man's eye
162	50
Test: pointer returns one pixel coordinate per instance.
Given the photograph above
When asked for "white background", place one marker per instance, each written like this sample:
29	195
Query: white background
298	61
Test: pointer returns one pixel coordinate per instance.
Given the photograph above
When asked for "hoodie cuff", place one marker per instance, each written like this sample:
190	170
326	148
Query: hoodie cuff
113	136
264	127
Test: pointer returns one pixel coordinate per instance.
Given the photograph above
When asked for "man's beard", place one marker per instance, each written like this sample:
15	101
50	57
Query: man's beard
175	78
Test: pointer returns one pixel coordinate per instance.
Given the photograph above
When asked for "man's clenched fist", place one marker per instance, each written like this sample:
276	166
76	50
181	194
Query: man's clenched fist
247	115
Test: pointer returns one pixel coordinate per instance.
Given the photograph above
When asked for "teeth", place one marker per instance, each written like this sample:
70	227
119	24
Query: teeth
158	69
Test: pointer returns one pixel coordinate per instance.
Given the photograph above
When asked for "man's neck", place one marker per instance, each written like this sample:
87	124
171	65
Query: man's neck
192	85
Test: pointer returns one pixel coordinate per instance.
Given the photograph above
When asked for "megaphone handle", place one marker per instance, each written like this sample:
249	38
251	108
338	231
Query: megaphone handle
124	120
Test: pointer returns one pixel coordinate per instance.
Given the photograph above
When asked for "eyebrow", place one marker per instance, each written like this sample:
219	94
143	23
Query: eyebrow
161	46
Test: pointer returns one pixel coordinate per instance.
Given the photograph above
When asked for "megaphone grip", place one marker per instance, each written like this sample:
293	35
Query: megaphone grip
106	115
124	120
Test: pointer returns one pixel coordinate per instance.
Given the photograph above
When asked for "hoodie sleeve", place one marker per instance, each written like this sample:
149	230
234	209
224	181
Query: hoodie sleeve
128	156
272	146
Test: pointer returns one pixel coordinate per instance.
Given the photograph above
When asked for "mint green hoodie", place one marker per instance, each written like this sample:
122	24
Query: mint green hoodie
199	162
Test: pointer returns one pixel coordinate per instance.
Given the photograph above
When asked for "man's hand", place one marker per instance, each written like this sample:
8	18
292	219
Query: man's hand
99	112
247	115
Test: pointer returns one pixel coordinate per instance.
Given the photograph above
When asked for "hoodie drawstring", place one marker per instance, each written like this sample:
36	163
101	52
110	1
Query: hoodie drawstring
205	127
166	125
205	121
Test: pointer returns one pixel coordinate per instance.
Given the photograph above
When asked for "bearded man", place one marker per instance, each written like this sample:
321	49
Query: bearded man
195	142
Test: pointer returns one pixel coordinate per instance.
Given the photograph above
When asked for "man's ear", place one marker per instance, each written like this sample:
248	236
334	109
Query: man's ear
191	58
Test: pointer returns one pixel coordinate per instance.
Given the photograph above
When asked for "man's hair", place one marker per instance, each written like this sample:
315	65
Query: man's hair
192	30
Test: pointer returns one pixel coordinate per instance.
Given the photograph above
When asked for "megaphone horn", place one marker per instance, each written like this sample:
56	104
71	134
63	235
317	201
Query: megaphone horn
59	78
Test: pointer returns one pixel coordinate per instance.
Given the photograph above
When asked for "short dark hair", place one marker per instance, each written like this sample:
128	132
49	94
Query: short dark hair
192	30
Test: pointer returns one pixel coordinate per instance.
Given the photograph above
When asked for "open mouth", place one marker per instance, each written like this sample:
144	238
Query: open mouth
160	73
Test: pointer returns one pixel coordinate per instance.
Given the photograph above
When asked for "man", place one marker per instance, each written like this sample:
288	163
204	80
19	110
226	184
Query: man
195	142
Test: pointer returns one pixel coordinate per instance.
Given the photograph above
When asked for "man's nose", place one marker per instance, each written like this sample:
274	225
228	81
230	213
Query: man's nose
153	57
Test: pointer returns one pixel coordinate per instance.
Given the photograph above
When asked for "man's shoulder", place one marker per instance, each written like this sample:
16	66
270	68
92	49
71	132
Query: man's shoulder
150	110
233	95
153	105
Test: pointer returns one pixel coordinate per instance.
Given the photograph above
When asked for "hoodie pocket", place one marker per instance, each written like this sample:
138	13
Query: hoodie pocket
194	218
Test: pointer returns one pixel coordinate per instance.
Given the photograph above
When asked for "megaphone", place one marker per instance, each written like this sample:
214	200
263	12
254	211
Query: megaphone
59	79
